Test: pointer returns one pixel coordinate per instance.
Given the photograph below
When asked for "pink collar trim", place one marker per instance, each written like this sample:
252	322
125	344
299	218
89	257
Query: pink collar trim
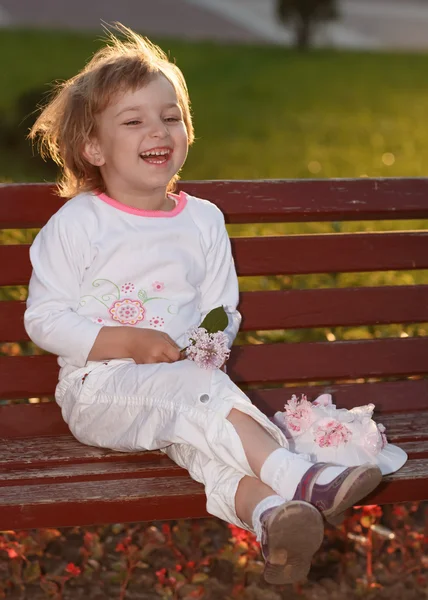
180	203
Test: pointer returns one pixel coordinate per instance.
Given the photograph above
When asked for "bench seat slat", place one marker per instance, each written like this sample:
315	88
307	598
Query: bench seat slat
63	450
294	309
159	498
287	255
122	470
61	467
266	363
91	472
31	205
97	502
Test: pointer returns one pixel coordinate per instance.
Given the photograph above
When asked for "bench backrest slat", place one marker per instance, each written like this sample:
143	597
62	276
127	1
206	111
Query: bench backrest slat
294	309
30	205
297	254
266	363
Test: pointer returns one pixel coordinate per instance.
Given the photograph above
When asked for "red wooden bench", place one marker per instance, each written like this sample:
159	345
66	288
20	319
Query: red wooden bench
49	479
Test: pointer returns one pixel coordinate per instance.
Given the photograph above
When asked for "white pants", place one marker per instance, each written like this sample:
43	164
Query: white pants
178	408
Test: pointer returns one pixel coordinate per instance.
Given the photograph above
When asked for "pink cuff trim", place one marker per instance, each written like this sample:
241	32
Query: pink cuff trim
180	203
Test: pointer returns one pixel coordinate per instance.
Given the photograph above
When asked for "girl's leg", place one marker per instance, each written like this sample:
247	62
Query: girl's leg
273	464
289	532
333	489
231	495
257	441
250	493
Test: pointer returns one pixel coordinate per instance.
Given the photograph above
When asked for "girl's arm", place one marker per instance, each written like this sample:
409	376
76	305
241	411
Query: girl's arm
220	286
59	255
144	346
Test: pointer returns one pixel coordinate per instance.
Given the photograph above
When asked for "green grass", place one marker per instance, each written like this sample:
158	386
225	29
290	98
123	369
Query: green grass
260	112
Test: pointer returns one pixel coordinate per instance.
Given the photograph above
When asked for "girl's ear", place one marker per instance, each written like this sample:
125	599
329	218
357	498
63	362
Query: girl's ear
93	154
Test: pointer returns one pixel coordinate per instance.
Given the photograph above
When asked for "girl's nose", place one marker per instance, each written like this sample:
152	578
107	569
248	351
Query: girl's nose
158	129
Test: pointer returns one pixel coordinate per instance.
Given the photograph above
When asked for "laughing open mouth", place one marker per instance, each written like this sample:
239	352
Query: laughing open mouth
156	156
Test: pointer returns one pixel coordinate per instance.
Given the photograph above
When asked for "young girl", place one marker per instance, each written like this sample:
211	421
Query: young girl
123	270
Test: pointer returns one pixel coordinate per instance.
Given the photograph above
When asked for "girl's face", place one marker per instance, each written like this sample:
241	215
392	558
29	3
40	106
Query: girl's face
141	141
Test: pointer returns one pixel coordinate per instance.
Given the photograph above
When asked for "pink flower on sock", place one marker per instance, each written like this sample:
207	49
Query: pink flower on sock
298	415
331	433
207	350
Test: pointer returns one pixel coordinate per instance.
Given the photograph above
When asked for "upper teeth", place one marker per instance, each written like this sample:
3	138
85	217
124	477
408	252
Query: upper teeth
155	153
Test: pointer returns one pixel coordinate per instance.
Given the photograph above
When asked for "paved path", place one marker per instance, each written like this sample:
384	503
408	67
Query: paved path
170	18
366	24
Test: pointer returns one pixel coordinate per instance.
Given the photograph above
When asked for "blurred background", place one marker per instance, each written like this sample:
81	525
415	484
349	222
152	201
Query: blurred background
279	89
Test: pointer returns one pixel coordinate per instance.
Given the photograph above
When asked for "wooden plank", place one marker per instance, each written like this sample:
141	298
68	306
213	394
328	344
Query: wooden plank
330	253
97	502
390	396
409	484
317	361
293	309
44	419
24	376
91	472
297	254
64	450
25	205
28	376
105	471
127	500
31	205
69	460
297	309
406	427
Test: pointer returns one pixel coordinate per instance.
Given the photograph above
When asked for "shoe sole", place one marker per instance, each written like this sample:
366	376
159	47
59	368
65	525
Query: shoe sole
360	482
294	535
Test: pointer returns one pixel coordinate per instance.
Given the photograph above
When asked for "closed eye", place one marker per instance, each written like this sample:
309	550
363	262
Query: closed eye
172	119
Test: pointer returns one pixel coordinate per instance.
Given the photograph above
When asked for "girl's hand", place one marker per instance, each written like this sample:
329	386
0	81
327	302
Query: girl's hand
148	346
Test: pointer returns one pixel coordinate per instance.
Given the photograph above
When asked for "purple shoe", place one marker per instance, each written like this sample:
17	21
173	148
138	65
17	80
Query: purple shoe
346	490
291	534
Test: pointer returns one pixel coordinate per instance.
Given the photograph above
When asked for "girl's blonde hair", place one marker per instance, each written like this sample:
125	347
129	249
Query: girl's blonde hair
67	122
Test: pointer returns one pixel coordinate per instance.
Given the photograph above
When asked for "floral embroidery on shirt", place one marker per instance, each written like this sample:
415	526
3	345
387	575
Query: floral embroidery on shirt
157	322
99	320
127	288
128	310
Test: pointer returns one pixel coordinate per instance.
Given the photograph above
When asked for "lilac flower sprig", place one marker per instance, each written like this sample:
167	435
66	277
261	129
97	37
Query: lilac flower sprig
208	346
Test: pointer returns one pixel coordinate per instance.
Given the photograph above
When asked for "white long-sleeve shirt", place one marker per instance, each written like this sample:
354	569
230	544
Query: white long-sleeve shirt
98	263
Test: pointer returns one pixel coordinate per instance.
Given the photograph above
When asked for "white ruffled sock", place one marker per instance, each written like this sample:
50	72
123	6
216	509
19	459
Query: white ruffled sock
283	471
269	502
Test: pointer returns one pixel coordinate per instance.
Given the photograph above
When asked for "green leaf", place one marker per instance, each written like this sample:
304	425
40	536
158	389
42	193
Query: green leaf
216	320
142	295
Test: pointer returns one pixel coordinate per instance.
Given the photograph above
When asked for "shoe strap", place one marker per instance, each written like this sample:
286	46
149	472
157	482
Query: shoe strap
305	487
